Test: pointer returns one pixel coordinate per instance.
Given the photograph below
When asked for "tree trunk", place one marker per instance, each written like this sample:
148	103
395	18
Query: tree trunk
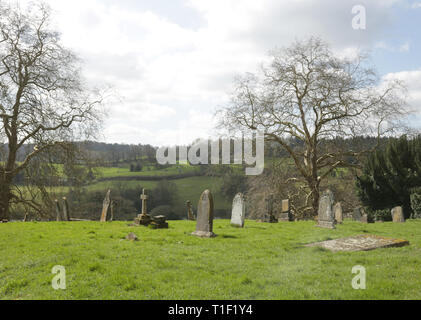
315	202
5	197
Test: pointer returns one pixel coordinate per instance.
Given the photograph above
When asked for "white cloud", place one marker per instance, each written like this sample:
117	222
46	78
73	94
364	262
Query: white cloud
404	47
412	80
173	77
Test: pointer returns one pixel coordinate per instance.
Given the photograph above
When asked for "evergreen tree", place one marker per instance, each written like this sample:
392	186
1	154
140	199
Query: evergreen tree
390	174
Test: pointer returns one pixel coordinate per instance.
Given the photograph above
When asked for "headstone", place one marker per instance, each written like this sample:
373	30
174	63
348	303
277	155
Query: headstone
326	216
159	222
58	211
143	219
204	228
357	214
112	209
66	212
286	211
337	209
397	214
190	214
238	215
131	237
105	206
364	219
269	216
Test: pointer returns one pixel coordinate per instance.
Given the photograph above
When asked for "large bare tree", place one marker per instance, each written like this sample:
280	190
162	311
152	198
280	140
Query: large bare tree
43	100
309	100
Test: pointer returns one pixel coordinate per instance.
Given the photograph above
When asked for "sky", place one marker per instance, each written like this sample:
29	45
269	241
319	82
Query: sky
172	63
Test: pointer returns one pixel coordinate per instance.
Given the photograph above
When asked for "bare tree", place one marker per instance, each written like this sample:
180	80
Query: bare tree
43	100
316	99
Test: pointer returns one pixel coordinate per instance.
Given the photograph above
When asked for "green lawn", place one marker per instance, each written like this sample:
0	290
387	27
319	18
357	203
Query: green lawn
262	261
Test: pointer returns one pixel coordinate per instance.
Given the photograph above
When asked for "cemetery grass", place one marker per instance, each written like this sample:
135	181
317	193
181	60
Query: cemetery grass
260	262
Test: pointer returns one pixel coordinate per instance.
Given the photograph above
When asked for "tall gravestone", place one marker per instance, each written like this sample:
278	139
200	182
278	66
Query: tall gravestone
190	214
269	216
397	214
238	211
357	215
337	209
204	227
286	211
326	214
66	211
58	211
105	206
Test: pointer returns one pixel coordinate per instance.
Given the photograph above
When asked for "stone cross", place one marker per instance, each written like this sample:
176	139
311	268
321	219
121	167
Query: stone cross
326	214
397	214
204	227
143	218
238	211
144	199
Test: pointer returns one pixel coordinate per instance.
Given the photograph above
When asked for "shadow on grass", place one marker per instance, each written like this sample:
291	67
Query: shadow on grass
225	236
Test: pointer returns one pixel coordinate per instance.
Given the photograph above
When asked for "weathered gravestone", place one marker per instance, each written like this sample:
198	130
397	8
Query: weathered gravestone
285	215
190	214
105	206
58	211
268	215
159	222
360	243
364	219
143	219
66	211
337	209
357	215
326	214
238	211
397	214
113	206
204	227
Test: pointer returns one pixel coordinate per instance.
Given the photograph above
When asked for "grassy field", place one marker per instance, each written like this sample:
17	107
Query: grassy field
188	189
262	261
147	171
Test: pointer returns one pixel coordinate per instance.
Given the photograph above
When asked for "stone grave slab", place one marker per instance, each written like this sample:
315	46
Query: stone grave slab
360	243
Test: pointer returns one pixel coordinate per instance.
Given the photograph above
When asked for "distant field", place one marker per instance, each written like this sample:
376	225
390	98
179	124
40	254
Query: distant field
262	261
188	189
147	171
